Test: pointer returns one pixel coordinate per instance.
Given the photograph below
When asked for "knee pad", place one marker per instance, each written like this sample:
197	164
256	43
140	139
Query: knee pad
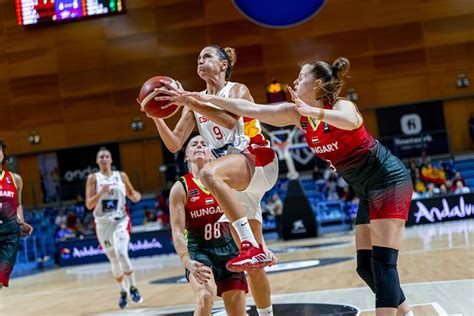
387	284
364	267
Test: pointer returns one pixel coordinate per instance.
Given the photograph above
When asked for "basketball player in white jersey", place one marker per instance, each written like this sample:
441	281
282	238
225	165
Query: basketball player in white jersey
106	193
245	168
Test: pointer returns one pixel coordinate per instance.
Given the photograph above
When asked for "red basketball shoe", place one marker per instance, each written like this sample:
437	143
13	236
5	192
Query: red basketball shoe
249	257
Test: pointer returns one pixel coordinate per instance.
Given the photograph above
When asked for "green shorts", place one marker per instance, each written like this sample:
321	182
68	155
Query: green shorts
216	258
9	244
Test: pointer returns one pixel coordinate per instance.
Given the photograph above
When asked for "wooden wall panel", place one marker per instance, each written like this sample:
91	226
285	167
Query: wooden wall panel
431	9
450	30
370	121
177	14
235	33
400	64
77	82
29	170
444	83
141	161
397	37
457	114
401	90
450	57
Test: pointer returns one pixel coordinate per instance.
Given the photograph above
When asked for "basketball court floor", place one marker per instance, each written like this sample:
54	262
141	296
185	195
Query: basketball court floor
313	277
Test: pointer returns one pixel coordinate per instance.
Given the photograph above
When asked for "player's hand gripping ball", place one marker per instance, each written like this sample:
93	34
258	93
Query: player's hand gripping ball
146	98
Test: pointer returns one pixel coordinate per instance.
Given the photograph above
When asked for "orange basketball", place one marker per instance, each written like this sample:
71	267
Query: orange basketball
157	109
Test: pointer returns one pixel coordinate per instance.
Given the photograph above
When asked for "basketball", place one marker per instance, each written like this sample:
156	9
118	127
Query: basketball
157	109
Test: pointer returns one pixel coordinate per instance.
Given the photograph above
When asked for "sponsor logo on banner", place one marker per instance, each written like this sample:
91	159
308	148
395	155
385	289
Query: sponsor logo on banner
410	124
94	251
298	227
434	214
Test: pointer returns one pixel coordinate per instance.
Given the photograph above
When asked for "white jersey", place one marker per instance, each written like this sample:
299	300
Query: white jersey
112	205
219	138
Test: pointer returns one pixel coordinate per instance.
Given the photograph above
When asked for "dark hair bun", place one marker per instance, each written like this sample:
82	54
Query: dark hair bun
341	67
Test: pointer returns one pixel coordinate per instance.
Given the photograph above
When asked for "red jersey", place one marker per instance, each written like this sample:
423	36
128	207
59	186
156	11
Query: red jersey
344	150
202	216
8	202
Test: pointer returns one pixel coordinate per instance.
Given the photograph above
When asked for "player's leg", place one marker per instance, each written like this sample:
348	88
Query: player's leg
205	295
258	279
9	245
364	245
222	177
234	302
105	236
389	204
121	241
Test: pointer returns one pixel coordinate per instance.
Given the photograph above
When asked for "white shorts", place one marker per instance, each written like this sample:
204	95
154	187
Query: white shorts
112	233
263	179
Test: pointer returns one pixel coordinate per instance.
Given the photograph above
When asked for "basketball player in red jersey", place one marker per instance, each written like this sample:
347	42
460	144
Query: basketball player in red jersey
12	222
106	193
335	131
208	244
246	167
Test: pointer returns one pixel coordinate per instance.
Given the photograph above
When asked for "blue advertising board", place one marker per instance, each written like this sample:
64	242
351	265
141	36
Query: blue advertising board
81	251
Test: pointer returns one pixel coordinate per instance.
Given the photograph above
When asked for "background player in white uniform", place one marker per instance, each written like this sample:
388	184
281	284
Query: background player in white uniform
245	163
106	193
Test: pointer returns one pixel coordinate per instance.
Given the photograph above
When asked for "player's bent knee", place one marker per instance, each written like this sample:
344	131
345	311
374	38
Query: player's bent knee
387	283
207	177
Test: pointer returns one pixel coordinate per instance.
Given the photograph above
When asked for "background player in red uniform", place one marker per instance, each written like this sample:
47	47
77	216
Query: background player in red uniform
208	244
334	130
12	222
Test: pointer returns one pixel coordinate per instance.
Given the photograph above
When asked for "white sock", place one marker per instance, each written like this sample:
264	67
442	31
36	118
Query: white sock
131	279
265	311
410	313
242	228
122	285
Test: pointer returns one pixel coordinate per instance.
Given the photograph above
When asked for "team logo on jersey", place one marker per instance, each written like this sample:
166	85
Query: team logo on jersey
109	205
304	125
209	201
194	198
315	140
194	192
326	128
7	179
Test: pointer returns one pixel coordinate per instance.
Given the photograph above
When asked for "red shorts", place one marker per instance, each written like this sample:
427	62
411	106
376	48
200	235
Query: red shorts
390	201
232	284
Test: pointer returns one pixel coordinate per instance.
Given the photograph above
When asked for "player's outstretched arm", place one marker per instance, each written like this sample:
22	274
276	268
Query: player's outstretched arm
344	114
132	194
178	96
